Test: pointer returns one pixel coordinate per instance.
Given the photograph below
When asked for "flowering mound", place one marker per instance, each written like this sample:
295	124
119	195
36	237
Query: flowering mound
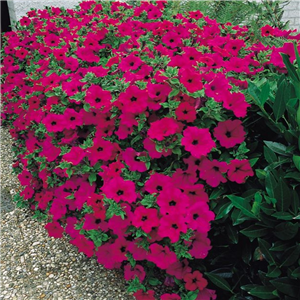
124	120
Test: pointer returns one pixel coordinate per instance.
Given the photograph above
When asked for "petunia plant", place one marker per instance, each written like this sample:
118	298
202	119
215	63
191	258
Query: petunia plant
126	121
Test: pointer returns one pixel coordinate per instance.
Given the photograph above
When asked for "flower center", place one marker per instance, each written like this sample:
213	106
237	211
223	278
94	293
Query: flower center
120	192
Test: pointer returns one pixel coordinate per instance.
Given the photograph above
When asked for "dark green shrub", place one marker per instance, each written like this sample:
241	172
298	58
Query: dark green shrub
256	232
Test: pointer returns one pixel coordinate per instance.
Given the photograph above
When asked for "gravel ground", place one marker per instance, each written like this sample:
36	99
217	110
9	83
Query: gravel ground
36	266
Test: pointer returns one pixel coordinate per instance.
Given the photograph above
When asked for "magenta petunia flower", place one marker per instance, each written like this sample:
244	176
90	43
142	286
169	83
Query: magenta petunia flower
172	201
186	112
194	281
75	156
239	170
237	103
25	177
50	151
191	80
161	256
118	225
133	100
84	245
87	54
163	128
137	252
146	218
25	21
131	62
119	249
131	272
179	269
158	93
184	178
234	46
199	216
196	193
212	172
267	30
73	118
130	157
170	297
55	123
216	87
171	226
200	245
207	294
229	133
101	150
52	40
55	229
98	98
93	221
197	141
105	257
142	295
149	145
70	228
119	189
172	39
157	183
58	208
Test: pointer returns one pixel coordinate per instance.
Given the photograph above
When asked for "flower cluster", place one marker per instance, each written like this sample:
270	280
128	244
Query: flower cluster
125	119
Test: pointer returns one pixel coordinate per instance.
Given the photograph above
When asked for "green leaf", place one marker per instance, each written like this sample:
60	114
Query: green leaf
277	148
296	273
248	287
135	285
261	174
291	69
216	193
92	178
265	91
256	204
154	281
269	155
264	248
283	196
247	255
263	292
131	260
86	107
295	202
191	295
293	175
174	93
255	231
136	139
296	160
291	255
219	281
69	172
297	55
279	103
232	233
271	184
253	161
278	246
254	92
242	205
283	216
286	231
287	286
223	210
273	271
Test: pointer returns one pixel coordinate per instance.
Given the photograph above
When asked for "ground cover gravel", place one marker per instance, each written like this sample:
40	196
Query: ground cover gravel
35	266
